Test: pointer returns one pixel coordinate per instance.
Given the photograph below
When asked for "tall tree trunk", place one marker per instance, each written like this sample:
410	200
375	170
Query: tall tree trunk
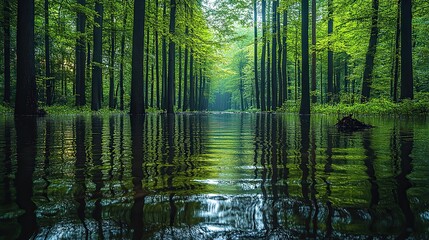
305	88
80	56
26	93
6	50
158	100
396	59
263	63
284	57
406	51
191	83
164	62
49	82
185	77
241	89
279	62
112	61
146	87
196	86
179	103
313	52
330	53
269	80
255	52
97	58
171	59
152	86
121	70
370	54
137	100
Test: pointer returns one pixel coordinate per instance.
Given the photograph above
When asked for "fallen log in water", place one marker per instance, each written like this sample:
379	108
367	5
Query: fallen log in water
348	123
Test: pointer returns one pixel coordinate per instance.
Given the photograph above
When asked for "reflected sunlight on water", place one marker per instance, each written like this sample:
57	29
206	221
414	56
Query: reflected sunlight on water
206	176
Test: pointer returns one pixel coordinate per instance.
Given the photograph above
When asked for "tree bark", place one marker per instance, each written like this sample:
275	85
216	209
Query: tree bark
330	81
26	93
121	70
171	59
313	52
185	76
191	83
263	63
397	49
370	54
284	57
6	50
158	100
146	87
112	61
97	58
137	100
406	51
255	52
179	103
80	57
305	88
164	62
49	81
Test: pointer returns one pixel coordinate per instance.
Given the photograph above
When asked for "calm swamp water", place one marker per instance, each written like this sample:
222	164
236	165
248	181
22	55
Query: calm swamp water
212	176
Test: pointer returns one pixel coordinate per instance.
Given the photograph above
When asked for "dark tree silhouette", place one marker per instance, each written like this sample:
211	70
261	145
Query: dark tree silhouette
97	58
406	51
80	57
305	88
137	100
26	94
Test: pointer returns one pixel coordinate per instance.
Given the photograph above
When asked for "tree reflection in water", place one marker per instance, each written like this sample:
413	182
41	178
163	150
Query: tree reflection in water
206	176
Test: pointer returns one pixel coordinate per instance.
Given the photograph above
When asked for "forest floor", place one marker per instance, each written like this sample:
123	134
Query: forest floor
376	106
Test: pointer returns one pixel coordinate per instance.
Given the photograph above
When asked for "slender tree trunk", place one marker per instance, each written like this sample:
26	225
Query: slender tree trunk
407	91
255	52
80	57
171	59
313	52
146	87
121	70
397	49
137	100
97	58
241	90
279	62
185	77
6	50
164	62
179	103
196	87
284	57
269	79
346	75
152	86
191	83
26	93
112	61
370	54
330	53
263	63
305	88
158	100
49	82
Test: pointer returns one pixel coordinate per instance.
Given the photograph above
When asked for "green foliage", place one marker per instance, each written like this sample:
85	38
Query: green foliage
5	109
376	106
66	109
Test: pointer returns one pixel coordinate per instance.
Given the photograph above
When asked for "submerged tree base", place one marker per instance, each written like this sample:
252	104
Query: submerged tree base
348	123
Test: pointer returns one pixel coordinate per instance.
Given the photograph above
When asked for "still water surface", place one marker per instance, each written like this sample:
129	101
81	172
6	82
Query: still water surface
212	176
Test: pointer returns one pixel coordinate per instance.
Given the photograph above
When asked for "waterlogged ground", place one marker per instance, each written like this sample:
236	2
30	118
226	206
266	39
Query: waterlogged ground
212	176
